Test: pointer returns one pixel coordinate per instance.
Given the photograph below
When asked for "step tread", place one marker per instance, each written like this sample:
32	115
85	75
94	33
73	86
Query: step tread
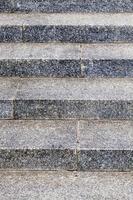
61	134
65	185
38	134
65	51
73	19
65	89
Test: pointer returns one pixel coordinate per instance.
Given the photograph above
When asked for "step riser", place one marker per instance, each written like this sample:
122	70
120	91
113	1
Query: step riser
44	68
66	6
57	109
66	68
92	160
73	34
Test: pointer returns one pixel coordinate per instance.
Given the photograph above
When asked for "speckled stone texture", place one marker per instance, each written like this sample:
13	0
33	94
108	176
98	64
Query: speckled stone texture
107	68
68	6
65	185
85	34
6	109
44	145
6	6
43	159
57	109
39	34
66	145
38	134
44	98
106	160
66	68
105	135
10	34
45	68
74	34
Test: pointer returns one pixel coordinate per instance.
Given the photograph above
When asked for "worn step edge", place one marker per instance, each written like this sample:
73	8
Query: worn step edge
72	34
66	6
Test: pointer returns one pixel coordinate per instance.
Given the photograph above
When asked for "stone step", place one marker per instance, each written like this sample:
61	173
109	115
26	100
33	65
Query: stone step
65	185
46	98
66	60
66	6
74	28
66	145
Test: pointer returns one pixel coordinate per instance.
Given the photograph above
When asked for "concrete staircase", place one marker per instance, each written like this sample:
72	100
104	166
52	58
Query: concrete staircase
66	99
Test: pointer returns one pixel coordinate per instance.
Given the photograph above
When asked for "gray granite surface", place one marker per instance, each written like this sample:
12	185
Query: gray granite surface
78	109
73	34
41	159
11	34
106	160
39	134
38	68
66	68
67	6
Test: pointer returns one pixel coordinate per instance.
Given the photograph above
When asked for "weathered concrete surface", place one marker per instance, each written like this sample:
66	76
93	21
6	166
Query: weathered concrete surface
65	185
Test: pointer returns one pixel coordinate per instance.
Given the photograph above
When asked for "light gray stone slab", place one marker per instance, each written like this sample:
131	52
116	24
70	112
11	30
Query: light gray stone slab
75	89
74	19
37	134
40	51
106	135
107	51
8	88
66	51
65	185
